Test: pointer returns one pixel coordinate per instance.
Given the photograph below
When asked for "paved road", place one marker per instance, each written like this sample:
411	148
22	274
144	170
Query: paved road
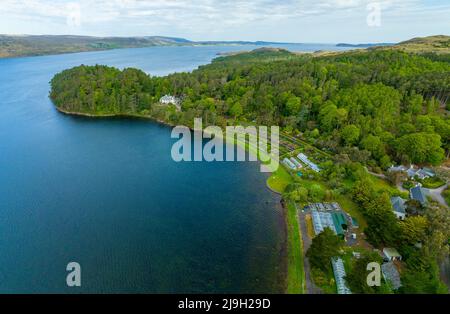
378	175
401	188
436	194
311	288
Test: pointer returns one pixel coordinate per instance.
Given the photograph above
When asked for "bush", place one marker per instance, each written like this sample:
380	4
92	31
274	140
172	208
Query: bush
408	185
446	195
432	183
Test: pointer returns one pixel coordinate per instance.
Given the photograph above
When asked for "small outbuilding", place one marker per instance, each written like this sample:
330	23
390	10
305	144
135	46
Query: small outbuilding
391	254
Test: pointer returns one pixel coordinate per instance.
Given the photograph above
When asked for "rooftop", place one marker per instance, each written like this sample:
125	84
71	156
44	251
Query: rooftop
339	275
398	204
391	252
418	194
390	273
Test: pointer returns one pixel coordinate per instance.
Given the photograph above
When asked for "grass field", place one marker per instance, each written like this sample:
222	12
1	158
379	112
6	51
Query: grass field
432	183
279	180
296	273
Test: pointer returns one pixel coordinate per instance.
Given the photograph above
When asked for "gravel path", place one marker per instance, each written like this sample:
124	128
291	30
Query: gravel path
311	288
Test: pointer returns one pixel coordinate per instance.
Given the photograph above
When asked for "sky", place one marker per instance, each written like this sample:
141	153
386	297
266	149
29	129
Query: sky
308	21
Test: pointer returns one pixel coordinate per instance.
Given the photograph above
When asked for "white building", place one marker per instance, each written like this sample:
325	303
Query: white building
296	163
322	220
412	172
308	162
391	254
170	100
289	163
339	275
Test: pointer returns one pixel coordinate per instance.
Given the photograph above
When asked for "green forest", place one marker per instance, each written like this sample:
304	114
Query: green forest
388	106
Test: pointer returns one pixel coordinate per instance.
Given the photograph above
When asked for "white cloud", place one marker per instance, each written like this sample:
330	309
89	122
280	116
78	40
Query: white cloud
198	18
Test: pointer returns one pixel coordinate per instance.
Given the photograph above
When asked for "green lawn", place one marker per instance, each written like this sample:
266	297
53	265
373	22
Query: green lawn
296	272
381	184
279	180
432	183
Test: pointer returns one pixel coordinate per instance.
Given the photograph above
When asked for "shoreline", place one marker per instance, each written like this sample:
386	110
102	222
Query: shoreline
111	115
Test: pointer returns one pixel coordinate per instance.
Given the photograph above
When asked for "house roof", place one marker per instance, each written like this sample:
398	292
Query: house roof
397	168
339	275
398	204
391	252
390	273
429	172
411	172
418	195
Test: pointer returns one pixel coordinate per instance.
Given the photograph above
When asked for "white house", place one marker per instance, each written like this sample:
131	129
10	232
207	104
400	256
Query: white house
422	173
397	169
412	172
170	100
391	254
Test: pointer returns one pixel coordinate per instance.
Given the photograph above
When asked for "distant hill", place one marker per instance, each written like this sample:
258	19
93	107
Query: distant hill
363	45
19	46
439	44
28	45
15	46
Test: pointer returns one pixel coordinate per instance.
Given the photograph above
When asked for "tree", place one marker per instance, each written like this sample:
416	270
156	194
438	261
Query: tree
414	207
382	229
236	110
421	148
357	276
324	246
374	145
293	105
300	195
395	177
350	134
316	193
413	229
421	275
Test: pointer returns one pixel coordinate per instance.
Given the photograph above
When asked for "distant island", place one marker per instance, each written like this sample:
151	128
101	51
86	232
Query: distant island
363	45
28	45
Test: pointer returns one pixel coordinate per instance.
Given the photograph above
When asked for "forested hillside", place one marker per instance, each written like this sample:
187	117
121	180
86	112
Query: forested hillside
37	45
390	105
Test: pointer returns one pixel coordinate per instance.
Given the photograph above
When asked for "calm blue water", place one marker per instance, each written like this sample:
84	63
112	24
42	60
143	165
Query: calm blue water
106	194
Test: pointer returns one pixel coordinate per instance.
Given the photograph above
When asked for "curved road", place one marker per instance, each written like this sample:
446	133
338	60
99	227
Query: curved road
436	194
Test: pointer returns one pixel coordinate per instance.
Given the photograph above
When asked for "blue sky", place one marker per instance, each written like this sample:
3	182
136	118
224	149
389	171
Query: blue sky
271	20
